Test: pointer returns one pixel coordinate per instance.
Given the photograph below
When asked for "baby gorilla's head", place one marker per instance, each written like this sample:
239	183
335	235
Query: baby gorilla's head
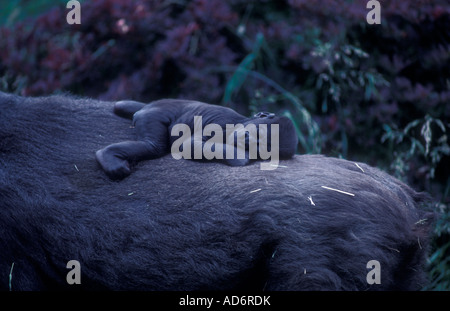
287	135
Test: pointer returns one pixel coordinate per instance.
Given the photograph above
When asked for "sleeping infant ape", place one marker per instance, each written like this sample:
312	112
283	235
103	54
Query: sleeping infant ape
208	132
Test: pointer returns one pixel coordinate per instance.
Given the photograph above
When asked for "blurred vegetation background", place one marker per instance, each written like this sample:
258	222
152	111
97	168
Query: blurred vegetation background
373	93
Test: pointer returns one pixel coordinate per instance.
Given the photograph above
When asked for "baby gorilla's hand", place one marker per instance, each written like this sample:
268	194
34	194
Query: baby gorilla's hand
236	162
112	164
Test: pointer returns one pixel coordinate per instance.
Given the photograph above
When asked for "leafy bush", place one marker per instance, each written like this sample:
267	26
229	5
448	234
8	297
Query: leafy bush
375	93
432	152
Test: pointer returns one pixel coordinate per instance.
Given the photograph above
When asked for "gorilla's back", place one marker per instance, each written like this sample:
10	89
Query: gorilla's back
313	223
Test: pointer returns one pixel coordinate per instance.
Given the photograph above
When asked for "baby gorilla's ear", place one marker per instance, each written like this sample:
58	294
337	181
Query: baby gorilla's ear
268	115
127	108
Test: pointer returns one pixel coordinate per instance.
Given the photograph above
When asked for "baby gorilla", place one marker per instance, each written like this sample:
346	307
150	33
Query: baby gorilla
154	122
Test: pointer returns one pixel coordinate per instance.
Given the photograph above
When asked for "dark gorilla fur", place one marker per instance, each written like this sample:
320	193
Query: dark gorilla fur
154	123
186	225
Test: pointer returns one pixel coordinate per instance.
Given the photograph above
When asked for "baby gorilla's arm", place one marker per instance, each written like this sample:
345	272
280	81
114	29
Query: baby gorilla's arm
127	108
152	139
115	159
217	153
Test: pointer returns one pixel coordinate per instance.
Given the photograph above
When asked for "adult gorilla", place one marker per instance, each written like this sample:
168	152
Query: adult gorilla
185	225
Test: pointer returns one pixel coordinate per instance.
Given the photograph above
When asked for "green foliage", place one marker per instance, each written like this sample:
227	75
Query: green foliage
339	78
439	260
309	132
12	83
12	11
341	73
423	143
239	76
416	139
